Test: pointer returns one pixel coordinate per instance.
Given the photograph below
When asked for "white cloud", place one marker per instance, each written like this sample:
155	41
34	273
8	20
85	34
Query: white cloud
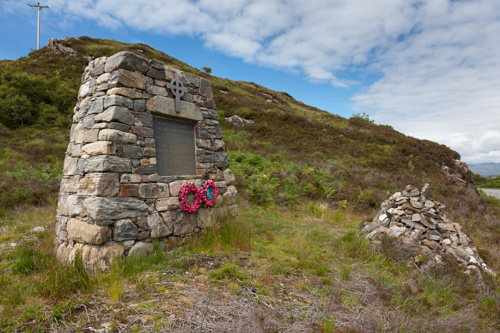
442	82
438	60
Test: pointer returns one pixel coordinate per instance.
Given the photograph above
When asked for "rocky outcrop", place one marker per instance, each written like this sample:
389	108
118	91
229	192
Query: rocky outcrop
59	48
238	121
421	223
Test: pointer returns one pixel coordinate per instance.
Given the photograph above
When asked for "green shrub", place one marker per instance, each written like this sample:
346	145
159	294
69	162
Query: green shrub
27	99
16	111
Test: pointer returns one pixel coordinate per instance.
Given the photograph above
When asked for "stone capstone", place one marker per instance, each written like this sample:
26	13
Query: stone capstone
126	60
206	88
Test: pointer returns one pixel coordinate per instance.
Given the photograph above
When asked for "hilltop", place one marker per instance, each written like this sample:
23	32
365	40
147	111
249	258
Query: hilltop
307	179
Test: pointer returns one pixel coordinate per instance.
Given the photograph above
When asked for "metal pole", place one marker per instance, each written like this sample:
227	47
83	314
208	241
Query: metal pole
38	31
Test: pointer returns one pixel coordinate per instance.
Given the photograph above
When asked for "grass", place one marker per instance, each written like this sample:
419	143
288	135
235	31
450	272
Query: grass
30	166
313	254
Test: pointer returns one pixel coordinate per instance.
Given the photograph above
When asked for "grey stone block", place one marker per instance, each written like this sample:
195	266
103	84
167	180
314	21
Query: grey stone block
139	105
115	113
146	169
124	230
107	163
109	209
229	177
126	60
156	73
132	151
209	104
157	65
119	126
206	88
96	106
157	227
118	101
191	80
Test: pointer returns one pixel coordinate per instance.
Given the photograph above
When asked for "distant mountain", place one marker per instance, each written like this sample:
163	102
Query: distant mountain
485	169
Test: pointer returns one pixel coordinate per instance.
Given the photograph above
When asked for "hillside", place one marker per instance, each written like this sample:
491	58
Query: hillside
304	176
353	159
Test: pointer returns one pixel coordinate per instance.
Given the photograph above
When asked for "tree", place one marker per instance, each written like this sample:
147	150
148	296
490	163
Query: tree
16	111
206	69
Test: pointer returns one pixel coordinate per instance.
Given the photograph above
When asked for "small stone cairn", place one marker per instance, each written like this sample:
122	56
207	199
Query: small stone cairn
420	222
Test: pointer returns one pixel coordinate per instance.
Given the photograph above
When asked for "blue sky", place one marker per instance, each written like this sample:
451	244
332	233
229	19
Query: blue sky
429	68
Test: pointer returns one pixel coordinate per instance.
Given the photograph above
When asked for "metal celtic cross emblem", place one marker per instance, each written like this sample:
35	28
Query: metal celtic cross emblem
178	90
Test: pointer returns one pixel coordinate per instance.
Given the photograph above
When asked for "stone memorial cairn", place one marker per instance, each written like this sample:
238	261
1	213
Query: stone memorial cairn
114	200
421	223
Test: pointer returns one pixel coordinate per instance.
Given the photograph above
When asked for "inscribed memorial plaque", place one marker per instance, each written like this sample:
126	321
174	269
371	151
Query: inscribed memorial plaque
175	147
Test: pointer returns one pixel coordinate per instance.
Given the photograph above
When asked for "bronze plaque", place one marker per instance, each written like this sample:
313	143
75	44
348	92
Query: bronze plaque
175	147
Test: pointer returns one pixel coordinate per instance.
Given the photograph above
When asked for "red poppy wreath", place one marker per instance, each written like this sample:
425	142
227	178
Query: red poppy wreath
185	190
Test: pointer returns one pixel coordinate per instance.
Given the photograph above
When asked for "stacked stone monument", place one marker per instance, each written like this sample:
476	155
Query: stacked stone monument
141	131
421	223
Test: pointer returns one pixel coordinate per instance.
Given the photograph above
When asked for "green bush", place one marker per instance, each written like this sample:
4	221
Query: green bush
16	111
27	99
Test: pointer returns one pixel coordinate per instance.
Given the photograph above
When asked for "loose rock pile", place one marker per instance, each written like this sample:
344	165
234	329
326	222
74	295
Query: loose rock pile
419	221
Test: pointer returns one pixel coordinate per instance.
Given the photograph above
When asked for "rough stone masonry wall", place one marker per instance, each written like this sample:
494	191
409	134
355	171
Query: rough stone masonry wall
112	202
